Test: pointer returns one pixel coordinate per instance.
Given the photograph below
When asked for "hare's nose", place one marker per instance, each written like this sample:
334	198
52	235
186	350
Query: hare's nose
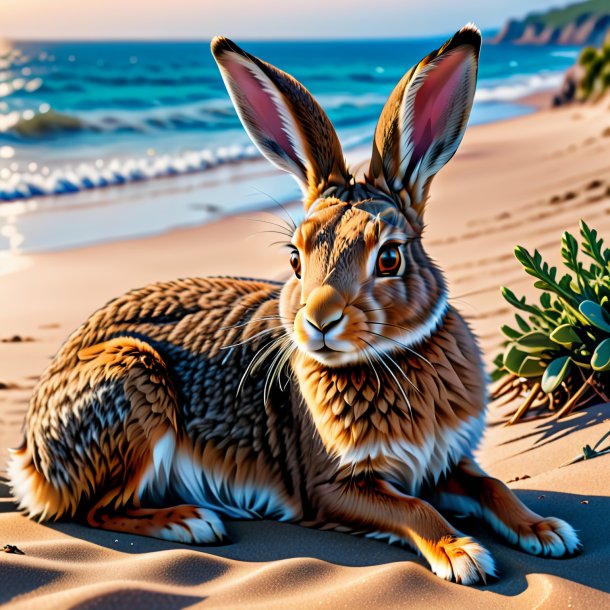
324	308
326	324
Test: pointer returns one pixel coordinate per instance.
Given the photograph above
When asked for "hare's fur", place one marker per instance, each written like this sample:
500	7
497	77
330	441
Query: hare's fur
346	398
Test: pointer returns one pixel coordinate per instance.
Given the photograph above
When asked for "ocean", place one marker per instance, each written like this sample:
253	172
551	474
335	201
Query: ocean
79	121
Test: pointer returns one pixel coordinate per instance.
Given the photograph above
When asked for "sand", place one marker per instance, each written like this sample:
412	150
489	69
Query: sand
519	181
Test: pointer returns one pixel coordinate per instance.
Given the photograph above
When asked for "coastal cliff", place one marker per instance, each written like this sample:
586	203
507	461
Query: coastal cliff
583	23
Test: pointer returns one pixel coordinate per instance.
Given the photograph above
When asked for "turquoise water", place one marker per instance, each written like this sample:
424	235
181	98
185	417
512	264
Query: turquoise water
80	116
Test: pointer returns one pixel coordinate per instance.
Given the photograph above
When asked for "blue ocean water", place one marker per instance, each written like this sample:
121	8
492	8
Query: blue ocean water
80	116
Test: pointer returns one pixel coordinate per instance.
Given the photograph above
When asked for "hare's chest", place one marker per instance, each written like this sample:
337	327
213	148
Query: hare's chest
411	462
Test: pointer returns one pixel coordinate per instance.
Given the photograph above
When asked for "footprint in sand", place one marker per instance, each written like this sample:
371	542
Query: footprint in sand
17	339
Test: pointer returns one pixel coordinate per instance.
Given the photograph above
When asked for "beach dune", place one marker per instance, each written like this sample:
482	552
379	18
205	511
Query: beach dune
523	180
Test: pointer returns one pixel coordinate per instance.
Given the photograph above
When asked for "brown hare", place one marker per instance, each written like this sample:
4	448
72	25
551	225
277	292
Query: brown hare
350	397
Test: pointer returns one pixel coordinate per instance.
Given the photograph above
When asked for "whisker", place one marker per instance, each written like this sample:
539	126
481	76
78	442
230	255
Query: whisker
409	349
276	367
286	244
285	227
374	370
280	205
262	319
284	233
260	355
249	339
399	369
389	370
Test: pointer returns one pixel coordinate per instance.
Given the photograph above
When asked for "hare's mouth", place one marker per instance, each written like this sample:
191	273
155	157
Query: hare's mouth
333	358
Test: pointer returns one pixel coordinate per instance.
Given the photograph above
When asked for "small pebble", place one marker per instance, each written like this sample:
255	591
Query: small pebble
584	501
540	497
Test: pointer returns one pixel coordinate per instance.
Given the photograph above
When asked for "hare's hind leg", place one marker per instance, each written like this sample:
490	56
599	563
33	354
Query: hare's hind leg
470	491
151	431
185	523
101	439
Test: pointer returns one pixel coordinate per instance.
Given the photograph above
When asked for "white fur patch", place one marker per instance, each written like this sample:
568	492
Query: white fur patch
212	490
417	334
179	472
22	477
410	465
157	475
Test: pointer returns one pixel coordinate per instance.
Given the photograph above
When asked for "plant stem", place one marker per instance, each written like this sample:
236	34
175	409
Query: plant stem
567	408
526	405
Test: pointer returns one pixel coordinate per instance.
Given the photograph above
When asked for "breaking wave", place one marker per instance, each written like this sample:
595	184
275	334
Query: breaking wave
101	174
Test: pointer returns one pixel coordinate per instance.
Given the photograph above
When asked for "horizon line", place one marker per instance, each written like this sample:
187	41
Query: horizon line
28	39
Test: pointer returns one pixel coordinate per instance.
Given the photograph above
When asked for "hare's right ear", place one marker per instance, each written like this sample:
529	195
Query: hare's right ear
282	119
424	120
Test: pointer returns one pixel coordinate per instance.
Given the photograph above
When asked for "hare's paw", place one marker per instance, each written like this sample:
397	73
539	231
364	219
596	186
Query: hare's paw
462	560
549	537
193	525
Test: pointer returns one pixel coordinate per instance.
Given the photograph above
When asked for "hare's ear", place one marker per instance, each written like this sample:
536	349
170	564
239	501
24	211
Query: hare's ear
282	119
424	120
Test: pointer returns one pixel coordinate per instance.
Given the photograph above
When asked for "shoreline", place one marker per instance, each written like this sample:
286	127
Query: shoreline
39	215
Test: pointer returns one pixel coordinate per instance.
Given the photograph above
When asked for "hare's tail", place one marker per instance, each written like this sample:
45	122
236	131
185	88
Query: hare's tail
33	492
97	437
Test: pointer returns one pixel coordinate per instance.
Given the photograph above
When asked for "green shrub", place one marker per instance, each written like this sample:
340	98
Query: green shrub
558	353
596	78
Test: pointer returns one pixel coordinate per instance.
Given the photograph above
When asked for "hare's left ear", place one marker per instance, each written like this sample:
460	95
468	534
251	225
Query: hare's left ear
282	119
424	119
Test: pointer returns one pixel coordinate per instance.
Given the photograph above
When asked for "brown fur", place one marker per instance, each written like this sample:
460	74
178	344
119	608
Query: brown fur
344	398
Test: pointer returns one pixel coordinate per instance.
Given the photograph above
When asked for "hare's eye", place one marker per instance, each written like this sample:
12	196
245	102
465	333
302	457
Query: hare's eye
389	261
295	263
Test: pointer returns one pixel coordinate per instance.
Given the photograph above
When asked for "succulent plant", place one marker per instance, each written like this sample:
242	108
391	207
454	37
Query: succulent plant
558	353
596	65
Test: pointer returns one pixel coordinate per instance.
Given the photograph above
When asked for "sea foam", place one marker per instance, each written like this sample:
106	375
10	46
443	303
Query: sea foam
16	185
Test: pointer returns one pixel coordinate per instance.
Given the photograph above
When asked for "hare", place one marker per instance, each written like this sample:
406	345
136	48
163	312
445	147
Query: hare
350	397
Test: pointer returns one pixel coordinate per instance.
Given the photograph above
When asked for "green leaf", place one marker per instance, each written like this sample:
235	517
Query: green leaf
523	325
600	361
535	266
592	247
595	314
565	335
511	333
532	366
535	342
569	251
513	358
555	373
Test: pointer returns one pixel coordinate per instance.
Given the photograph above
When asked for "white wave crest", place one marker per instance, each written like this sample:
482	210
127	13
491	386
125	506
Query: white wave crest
519	88
85	176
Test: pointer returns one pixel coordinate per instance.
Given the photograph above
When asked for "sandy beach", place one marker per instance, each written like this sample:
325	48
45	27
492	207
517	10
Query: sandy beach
520	181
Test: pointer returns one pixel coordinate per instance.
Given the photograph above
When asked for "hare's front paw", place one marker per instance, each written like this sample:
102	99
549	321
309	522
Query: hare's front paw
462	560
549	537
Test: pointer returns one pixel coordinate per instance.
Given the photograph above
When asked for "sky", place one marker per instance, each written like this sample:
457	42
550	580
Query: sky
252	19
